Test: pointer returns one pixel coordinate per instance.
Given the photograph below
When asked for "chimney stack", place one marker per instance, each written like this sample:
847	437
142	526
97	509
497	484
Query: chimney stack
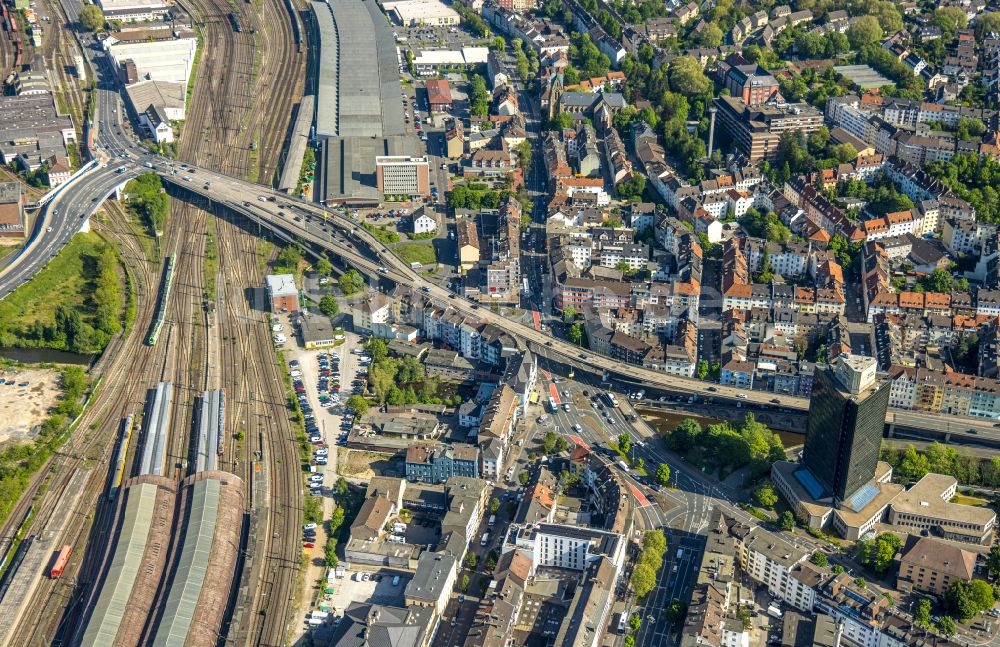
711	128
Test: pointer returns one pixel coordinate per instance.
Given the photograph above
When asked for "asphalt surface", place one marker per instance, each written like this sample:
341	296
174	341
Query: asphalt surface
77	200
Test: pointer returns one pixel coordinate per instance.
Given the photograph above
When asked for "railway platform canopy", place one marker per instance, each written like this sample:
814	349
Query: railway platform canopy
136	533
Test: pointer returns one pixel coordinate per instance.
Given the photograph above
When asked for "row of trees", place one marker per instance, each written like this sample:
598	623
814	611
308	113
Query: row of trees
475	195
911	464
479	97
654	547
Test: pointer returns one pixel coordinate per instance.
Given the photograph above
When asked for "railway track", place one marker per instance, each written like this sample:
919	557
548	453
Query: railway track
57	50
231	91
130	367
54	601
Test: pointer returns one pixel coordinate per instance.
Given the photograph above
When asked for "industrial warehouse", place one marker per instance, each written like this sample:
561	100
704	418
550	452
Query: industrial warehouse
358	112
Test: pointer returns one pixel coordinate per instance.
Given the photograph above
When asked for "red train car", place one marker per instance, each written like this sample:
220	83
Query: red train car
61	561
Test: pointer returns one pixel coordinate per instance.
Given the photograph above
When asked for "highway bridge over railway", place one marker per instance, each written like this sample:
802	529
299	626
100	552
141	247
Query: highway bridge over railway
118	159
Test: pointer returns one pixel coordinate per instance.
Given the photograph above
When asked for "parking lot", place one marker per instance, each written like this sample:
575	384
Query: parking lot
323	380
378	589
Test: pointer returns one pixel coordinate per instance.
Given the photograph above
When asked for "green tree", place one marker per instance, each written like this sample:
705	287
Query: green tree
624	443
575	334
357	404
861	582
914	465
324	267
987	22
864	31
922	613
710	36
844	153
643	580
685	436
687	76
549	442
351	282
702	370
328	305
993	561
330	553
819	559
463	584
765	496
946	625
288	259
479	99
786	521
569	314
91	17
471	561
341	486
635	622
523	478
377	348
966	600
662	475
884	551
494	505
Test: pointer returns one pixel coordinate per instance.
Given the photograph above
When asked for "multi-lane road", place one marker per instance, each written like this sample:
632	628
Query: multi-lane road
682	510
343	236
75	201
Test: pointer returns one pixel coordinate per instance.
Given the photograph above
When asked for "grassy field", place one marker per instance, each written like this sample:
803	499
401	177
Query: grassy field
963	499
416	252
65	281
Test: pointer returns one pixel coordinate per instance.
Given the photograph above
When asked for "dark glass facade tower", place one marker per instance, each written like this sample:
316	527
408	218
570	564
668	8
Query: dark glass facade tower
843	434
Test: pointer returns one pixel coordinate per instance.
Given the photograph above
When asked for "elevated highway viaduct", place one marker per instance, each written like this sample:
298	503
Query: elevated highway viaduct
332	231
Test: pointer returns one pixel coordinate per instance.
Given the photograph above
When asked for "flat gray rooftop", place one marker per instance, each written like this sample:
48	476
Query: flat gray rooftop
347	166
358	78
862	75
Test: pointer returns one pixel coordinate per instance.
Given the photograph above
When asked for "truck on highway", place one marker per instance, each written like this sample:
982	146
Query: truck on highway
624	466
486	539
493	520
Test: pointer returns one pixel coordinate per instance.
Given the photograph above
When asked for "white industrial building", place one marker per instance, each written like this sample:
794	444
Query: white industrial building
133	10
165	60
427	61
421	12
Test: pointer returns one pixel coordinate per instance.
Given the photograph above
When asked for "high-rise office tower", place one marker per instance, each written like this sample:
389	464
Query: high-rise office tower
844	430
